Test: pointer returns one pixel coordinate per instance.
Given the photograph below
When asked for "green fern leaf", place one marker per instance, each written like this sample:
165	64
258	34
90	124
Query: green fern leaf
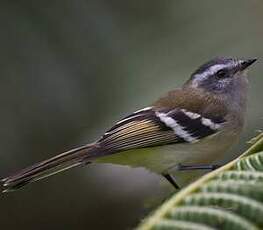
230	197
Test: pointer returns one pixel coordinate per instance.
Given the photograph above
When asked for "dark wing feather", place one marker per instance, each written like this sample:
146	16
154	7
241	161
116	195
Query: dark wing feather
138	130
146	129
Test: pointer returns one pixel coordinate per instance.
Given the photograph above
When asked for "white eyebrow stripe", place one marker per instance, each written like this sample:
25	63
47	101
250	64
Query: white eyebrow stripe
177	128
212	70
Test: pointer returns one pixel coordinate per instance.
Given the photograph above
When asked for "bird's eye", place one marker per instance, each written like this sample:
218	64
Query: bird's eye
222	74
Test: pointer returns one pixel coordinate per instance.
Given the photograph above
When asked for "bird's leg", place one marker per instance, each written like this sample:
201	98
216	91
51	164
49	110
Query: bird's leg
181	167
171	179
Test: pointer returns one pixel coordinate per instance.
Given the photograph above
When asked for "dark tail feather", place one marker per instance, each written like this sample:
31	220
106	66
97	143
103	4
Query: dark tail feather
49	167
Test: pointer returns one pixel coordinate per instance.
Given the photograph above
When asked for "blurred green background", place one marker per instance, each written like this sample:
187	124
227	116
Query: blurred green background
70	69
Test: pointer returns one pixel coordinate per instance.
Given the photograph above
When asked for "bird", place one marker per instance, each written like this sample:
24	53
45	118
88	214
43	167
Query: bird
188	128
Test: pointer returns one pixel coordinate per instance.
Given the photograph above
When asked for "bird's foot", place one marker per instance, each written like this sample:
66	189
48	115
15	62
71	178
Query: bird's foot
183	167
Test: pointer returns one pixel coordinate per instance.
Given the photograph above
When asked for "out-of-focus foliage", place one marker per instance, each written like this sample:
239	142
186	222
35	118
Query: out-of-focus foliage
228	198
70	69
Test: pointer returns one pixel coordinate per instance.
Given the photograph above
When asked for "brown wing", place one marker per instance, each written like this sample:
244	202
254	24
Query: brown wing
147	128
140	129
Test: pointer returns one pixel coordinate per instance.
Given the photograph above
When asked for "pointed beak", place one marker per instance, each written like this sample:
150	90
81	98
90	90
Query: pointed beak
246	63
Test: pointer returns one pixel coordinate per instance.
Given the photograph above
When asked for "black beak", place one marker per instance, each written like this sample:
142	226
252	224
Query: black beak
246	63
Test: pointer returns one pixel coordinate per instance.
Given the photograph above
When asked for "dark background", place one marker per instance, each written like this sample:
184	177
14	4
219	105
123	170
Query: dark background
69	69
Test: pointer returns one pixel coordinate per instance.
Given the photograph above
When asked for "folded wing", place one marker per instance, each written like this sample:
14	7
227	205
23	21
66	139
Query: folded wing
148	127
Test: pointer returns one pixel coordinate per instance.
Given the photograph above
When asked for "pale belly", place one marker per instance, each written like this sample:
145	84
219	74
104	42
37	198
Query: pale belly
161	158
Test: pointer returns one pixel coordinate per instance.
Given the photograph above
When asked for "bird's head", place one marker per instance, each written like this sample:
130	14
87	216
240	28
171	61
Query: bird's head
221	75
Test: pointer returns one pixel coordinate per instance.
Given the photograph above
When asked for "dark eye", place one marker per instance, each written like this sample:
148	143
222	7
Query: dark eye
222	74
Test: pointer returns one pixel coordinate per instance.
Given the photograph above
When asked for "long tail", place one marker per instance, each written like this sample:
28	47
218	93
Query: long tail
49	167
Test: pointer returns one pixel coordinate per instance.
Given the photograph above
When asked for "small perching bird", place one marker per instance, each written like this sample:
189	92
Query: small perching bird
189	128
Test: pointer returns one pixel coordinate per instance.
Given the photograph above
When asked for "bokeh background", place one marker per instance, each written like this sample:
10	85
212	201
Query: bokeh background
69	69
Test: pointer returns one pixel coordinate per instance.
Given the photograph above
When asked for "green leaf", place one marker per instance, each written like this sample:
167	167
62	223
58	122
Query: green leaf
230	197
